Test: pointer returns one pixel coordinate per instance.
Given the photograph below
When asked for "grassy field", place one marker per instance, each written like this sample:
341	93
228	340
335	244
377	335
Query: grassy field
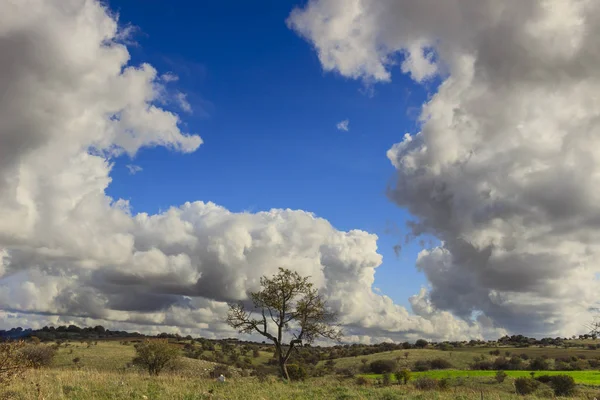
532	352
90	384
591	378
459	359
115	357
102	372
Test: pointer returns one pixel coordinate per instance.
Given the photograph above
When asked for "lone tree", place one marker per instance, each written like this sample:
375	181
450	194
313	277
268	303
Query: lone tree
294	306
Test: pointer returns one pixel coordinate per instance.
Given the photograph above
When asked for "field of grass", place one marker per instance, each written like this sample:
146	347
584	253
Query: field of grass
89	384
591	378
102	372
113	356
533	352
459	359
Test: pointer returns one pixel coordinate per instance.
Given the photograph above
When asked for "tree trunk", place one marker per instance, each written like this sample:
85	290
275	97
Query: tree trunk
284	371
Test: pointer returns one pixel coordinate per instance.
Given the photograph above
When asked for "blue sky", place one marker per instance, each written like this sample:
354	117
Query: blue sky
267	114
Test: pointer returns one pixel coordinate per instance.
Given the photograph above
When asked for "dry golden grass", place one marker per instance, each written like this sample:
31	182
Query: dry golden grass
101	385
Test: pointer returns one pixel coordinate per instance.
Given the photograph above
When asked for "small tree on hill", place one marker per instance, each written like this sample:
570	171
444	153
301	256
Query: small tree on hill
294	306
155	355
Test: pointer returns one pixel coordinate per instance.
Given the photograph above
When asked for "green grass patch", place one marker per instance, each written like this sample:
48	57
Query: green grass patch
590	378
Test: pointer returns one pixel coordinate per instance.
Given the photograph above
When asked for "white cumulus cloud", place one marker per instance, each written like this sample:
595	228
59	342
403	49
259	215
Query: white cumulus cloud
505	168
69	253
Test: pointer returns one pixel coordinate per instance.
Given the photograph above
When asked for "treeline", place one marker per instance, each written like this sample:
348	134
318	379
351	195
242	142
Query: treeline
71	332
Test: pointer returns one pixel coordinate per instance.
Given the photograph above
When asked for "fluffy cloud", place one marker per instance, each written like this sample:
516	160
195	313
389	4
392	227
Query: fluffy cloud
505	169
343	125
71	254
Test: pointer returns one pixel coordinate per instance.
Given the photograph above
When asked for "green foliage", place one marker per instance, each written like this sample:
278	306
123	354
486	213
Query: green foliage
296	372
403	375
426	383
362	381
12	364
294	306
220	369
500	376
440	363
443	384
421	343
155	355
421	366
525	386
382	366
38	355
563	385
539	364
386	379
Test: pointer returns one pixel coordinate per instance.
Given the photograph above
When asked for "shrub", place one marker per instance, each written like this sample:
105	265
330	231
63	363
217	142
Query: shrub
594	363
348	372
443	384
387	379
562	366
421	343
296	372
403	376
220	369
440	363
261	373
382	366
539	364
421	366
579	365
563	385
155	355
495	352
38	355
500	376
12	364
525	386
362	381
482	365
425	383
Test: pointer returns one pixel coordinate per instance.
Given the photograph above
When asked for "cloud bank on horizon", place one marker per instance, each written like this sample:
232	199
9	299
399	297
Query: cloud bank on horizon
71	254
505	169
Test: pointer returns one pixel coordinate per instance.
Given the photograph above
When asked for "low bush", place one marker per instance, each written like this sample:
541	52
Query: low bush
155	355
421	366
403	376
563	385
220	369
362	381
38	355
382	366
482	365
443	384
387	379
500	376
347	372
525	386
426	383
539	364
440	363
296	372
